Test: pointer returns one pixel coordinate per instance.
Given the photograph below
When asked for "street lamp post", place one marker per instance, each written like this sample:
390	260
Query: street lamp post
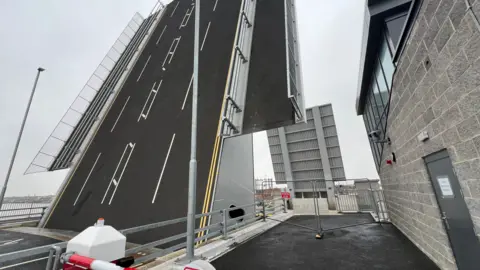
12	160
192	175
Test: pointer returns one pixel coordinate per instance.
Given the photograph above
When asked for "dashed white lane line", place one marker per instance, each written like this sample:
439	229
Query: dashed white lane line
163	169
215	6
173	12
163	31
120	114
143	69
188	91
205	37
88	177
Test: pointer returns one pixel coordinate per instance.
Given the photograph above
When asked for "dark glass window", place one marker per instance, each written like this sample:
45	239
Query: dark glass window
394	27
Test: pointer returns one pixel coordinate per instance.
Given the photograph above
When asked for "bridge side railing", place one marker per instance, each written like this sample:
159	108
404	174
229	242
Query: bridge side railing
221	229
238	71
11	213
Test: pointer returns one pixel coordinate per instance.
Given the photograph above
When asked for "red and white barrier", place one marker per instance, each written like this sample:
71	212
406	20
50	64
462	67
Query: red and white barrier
77	262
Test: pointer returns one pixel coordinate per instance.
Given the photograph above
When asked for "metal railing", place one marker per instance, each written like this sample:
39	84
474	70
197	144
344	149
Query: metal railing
15	212
362	201
239	68
219	230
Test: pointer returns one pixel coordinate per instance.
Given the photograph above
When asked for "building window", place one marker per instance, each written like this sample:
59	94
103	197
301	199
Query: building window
377	100
394	26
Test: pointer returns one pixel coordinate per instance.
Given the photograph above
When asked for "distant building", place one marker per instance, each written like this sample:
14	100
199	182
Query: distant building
307	152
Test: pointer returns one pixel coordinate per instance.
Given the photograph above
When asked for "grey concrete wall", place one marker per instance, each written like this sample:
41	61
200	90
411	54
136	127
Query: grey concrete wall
436	89
235	184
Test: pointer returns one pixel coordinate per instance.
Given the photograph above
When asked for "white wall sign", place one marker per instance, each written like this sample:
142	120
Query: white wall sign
445	186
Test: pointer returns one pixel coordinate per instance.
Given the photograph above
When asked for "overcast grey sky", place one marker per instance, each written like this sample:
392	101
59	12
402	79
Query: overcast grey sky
69	39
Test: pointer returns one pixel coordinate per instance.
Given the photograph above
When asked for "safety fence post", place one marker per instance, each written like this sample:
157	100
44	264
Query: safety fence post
264	214
224	223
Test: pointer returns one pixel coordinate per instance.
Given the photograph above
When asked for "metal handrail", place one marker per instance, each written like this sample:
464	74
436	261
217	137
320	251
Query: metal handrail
19	209
222	228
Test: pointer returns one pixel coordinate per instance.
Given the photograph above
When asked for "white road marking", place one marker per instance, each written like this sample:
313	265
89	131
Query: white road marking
188	91
121	174
171	52
154	91
116	169
174	9
163	169
163	31
174	50
11	242
215	6
88	177
143	69
205	37
153	100
22	263
120	114
186	17
145	105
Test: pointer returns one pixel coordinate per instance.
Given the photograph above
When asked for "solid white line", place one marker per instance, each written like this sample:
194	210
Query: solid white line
120	114
153	100
174	50
163	169
88	177
144	68
146	101
205	37
163	31
174	9
113	176
22	263
215	6
188	91
121	175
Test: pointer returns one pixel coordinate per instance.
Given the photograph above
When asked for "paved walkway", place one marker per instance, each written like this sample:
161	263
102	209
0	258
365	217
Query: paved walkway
368	246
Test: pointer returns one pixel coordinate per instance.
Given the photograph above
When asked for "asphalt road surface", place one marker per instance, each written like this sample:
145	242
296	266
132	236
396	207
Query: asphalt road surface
135	171
369	246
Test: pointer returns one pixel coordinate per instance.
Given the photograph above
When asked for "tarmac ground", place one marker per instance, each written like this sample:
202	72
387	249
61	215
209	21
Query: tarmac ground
366	246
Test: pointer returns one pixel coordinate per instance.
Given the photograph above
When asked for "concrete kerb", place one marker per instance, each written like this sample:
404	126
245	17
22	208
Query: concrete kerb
216	249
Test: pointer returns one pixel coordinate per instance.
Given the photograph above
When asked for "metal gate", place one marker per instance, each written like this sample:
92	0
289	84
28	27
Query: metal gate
350	199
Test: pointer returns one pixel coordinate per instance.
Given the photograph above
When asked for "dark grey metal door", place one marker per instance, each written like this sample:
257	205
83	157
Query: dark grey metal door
454	212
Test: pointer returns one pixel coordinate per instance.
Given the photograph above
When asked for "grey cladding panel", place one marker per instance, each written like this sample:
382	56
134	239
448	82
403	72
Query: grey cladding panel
303	135
267	102
311	174
326	110
303	145
307	164
331	141
333	151
304	155
277	158
328	120
235	184
329	131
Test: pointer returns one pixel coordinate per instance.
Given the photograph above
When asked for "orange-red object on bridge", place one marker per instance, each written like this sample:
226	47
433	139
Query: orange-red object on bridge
77	262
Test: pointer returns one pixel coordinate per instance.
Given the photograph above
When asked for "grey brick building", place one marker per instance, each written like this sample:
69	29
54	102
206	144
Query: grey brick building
307	152
419	95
